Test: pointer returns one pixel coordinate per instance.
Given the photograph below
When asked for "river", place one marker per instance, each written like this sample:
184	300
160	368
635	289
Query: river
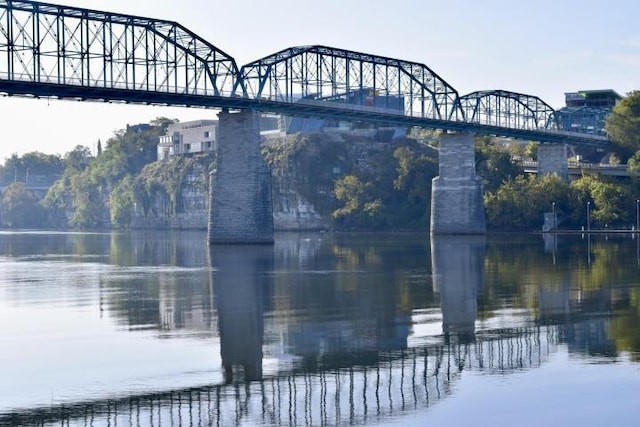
159	329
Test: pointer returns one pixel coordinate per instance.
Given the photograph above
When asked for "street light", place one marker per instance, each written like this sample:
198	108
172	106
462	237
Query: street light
638	216
588	216
553	214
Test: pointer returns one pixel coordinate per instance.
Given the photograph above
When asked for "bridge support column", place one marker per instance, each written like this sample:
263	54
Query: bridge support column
240	208
456	194
552	158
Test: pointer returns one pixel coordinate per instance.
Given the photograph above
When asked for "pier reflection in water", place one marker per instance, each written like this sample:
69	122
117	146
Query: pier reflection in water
458	275
241	283
333	330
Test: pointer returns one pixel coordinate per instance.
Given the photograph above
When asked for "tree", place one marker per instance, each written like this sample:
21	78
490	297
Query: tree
31	167
412	186
20	208
634	165
623	125
520	204
494	165
77	159
121	203
97	190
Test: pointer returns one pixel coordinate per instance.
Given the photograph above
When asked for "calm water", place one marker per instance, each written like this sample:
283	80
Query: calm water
158	329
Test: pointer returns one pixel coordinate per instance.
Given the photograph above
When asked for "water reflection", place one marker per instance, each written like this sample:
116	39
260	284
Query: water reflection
332	329
458	275
241	283
402	382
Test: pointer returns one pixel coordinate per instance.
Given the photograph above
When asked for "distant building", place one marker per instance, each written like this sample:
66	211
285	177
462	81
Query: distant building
198	136
603	98
586	111
142	127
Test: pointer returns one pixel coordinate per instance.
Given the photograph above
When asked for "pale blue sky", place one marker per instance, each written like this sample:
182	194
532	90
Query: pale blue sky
542	47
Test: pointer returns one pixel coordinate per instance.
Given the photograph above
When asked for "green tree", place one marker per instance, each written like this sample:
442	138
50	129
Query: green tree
412	185
97	190
77	159
122	203
362	204
31	167
634	165
88	202
612	201
531	151
520	204
623	125
20	208
494	164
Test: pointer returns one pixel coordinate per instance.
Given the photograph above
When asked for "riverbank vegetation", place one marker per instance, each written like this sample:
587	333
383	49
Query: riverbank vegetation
357	183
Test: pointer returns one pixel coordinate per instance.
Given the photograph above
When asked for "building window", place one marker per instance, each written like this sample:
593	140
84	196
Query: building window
206	134
187	147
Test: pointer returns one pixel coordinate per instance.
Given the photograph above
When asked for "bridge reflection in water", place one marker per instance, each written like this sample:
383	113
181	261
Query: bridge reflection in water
381	385
401	382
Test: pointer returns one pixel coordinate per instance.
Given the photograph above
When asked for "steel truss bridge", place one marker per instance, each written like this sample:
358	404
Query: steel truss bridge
54	51
401	382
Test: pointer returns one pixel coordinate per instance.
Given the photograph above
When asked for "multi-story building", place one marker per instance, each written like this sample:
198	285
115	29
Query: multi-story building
586	110
197	136
603	98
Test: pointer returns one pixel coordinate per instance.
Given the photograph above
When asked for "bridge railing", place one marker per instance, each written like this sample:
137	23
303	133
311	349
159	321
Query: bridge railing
48	50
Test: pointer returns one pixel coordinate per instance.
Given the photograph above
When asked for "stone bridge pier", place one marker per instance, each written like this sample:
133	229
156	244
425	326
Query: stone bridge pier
457	205
240	207
552	158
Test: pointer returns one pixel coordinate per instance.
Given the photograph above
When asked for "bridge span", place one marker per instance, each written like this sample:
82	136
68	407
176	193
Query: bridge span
54	51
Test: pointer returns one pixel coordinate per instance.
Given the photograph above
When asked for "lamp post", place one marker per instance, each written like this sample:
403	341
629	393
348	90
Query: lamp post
589	216
553	214
638	216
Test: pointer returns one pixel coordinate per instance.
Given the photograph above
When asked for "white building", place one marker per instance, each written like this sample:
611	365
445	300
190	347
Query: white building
198	136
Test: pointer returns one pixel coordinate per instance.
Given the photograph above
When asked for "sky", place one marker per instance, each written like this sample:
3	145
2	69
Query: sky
543	48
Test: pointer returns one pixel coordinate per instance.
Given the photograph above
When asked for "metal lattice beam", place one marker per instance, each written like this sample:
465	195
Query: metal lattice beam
320	73
508	109
44	43
49	50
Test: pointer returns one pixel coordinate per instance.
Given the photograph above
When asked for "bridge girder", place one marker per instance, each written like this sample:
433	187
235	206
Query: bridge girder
324	74
49	50
508	109
42	43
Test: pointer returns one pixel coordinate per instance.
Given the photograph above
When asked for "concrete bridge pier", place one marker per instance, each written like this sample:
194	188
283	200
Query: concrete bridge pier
240	207
457	205
552	158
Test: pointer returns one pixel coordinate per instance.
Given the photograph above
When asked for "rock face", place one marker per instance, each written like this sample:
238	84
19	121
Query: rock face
302	173
291	212
191	210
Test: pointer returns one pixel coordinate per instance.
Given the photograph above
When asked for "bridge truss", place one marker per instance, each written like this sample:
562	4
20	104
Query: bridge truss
81	53
321	73
508	109
48	50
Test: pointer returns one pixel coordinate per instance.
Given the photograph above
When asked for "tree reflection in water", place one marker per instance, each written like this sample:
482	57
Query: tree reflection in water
350	313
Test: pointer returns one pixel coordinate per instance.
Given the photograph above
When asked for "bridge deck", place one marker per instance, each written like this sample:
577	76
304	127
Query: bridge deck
54	51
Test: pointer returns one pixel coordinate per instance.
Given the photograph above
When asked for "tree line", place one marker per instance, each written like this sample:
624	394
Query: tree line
356	188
